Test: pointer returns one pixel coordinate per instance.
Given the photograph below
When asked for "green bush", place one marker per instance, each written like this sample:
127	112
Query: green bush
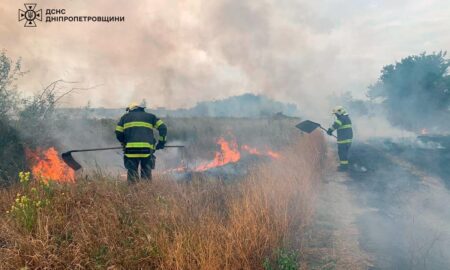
284	260
12	153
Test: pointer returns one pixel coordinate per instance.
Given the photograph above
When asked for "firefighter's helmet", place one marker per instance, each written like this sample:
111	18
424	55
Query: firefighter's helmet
339	110
134	105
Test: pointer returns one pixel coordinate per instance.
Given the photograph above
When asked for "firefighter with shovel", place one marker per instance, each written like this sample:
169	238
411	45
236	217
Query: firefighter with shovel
344	137
135	132
343	125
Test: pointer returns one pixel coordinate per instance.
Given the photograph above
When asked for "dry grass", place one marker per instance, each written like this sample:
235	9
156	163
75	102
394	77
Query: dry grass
203	224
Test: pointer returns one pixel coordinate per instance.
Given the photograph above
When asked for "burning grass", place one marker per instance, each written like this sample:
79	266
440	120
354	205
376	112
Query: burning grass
203	224
230	152
47	165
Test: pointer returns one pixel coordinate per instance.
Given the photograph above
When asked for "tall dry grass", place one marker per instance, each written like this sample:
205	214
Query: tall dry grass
202	224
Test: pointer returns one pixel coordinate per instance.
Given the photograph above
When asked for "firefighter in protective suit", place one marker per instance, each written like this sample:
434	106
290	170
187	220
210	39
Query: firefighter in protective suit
135	132
343	125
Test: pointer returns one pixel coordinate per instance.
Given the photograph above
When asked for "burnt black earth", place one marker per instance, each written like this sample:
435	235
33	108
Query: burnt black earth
406	197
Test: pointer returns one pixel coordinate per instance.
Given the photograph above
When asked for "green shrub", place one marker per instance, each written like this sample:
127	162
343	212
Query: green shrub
284	260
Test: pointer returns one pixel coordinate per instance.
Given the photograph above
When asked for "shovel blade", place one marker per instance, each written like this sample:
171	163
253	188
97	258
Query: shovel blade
307	126
70	161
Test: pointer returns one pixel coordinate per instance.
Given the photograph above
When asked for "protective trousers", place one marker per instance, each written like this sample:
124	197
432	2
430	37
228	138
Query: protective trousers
132	165
343	149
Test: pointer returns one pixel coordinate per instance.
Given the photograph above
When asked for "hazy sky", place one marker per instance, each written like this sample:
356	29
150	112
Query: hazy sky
176	53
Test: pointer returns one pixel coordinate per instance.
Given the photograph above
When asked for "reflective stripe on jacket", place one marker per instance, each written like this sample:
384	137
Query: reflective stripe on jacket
135	131
343	125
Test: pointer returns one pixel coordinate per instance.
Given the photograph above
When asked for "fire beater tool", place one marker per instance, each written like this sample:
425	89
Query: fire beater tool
309	126
72	163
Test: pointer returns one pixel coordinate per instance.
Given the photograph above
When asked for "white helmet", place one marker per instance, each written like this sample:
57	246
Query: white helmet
135	105
339	110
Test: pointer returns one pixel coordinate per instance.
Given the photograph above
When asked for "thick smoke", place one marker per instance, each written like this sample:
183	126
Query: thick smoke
175	53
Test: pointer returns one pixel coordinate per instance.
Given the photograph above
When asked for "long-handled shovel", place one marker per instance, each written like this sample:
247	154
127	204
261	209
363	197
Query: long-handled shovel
72	163
309	126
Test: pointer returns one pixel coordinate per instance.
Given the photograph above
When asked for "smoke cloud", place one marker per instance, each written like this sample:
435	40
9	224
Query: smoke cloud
176	53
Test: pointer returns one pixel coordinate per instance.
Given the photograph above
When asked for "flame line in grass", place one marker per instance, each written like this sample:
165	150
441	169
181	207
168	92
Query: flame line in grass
229	153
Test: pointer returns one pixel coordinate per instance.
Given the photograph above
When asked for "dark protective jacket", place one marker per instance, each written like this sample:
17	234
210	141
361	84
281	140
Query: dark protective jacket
135	132
343	125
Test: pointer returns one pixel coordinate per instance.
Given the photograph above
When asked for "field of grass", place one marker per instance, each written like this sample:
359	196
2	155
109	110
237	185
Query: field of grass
203	224
259	222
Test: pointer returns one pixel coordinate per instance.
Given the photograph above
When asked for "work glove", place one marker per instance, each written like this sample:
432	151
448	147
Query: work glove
330	131
160	145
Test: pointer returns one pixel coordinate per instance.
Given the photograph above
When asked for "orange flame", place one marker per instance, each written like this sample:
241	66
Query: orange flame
229	154
48	166
273	154
254	151
251	150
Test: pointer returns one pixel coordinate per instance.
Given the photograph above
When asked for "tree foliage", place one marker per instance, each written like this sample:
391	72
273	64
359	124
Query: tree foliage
10	72
415	91
11	150
25	122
